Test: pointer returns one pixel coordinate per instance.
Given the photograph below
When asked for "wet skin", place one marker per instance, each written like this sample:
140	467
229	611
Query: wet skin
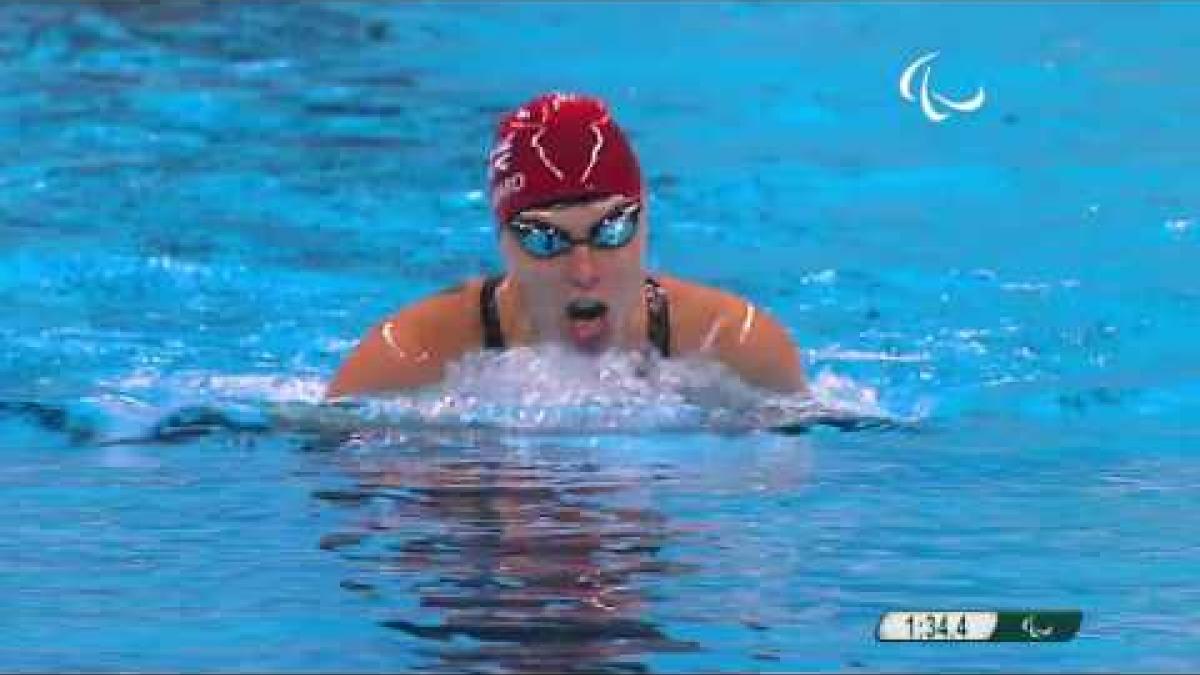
411	347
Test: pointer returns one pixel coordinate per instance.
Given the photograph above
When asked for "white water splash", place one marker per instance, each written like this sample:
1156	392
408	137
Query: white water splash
546	388
1178	225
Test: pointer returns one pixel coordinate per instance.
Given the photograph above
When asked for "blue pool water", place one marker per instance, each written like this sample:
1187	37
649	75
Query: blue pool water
204	204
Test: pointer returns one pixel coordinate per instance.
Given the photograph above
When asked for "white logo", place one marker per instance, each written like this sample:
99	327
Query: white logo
1032	630
501	156
507	186
927	97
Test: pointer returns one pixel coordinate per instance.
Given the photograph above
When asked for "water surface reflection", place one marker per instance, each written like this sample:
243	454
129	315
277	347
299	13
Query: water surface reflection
502	559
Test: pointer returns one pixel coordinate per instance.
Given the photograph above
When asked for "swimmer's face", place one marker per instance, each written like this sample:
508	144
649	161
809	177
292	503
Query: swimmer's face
587	295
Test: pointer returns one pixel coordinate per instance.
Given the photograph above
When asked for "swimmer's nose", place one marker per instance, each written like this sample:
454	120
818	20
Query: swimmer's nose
581	267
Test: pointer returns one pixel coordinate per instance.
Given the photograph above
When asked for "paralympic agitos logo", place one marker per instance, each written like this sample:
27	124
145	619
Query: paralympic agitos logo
934	105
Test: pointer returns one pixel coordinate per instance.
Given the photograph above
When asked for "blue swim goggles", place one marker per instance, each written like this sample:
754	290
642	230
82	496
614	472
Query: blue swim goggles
543	240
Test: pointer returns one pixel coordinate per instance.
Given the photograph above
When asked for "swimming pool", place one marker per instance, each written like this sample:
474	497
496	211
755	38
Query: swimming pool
206	203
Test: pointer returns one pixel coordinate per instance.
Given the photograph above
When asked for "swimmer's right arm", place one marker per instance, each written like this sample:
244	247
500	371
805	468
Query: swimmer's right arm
405	351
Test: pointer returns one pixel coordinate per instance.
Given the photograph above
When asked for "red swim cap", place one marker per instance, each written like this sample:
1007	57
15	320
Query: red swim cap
559	146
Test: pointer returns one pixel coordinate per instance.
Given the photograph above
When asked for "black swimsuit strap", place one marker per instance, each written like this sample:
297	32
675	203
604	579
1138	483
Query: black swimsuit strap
658	315
489	314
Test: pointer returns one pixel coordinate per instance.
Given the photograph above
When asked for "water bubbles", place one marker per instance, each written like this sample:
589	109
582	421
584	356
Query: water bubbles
825	277
1178	226
841	392
546	389
549	386
837	353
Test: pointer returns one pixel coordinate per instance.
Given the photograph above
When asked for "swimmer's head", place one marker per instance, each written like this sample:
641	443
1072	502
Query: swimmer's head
559	147
567	192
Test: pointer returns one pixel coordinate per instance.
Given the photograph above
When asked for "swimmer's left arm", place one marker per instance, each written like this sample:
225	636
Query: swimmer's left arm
760	350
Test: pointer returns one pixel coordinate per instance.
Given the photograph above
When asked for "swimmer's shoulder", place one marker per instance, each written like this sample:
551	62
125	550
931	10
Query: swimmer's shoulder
411	346
696	309
706	319
451	315
442	318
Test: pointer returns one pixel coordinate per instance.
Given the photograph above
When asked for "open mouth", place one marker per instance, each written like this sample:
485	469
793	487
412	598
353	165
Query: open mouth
587	320
586	309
